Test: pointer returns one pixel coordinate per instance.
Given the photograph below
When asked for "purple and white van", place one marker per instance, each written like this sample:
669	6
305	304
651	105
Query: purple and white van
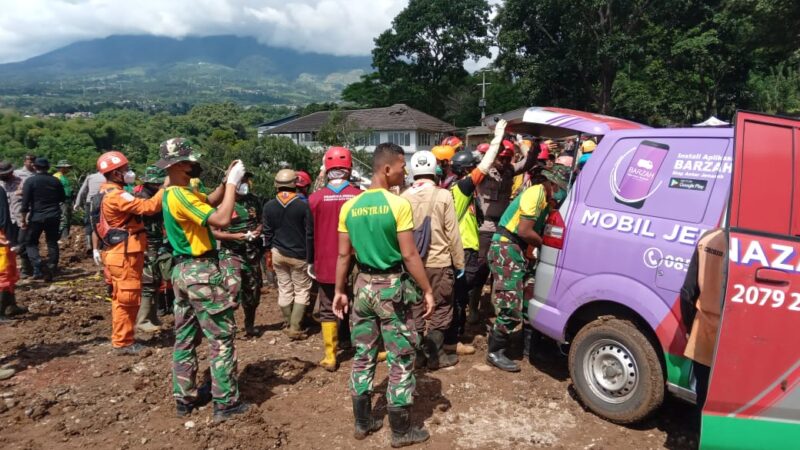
615	254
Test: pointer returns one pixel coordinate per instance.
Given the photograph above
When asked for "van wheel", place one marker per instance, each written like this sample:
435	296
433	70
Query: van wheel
616	371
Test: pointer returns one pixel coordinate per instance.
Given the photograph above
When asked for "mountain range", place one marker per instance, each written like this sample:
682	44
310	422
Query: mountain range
119	68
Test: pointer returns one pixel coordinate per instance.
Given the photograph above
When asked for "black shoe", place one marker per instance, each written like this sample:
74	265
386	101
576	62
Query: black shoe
362	411
496	355
183	409
203	398
437	358
133	349
402	432
223	413
14	310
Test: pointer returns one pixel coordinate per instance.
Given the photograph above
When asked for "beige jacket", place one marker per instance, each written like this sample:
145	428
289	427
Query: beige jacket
712	251
446	249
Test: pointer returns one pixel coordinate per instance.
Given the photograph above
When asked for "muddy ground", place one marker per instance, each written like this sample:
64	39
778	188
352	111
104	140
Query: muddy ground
73	392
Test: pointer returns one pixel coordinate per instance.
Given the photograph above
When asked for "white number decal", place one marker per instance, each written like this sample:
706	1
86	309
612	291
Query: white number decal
778	297
738	297
796	304
759	296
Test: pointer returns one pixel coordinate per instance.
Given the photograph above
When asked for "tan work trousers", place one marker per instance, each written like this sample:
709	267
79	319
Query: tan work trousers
294	284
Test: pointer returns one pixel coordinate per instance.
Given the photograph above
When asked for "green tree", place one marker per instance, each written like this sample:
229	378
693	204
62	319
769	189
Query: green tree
421	58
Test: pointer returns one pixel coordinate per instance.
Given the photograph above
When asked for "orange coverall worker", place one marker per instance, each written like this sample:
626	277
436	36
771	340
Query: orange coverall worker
124	262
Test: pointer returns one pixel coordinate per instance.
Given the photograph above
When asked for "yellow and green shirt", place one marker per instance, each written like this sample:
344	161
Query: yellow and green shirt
530	205
185	221
373	220
65	181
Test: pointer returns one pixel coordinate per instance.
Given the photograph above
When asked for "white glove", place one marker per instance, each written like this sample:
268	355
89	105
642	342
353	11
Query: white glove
236	174
96	256
499	131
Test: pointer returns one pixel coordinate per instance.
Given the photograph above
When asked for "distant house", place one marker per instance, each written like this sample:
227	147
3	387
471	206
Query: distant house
410	128
266	126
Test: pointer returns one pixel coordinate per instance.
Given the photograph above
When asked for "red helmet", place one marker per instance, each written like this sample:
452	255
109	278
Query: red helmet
544	151
338	158
303	179
508	149
452	141
483	148
109	161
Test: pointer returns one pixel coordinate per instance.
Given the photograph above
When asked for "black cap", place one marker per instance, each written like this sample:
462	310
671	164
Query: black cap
41	162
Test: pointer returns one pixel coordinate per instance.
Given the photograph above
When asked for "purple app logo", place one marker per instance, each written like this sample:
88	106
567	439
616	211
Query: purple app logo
636	184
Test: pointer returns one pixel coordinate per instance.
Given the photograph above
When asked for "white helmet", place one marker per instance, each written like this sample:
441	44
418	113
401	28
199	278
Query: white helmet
423	163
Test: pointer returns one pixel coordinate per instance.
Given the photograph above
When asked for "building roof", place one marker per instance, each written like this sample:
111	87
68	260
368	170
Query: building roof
280	121
395	117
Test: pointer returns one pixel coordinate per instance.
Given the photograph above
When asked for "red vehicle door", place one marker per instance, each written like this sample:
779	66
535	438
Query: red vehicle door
754	395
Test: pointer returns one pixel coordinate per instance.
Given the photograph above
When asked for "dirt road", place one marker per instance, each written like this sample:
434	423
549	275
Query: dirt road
73	392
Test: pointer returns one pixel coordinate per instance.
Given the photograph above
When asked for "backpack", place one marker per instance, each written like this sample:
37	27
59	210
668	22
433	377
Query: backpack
422	233
108	235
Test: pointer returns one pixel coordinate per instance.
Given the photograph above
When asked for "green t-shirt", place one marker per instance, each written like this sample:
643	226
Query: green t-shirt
373	220
530	205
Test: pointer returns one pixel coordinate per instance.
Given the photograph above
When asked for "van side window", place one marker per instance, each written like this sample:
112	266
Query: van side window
670	178
766	180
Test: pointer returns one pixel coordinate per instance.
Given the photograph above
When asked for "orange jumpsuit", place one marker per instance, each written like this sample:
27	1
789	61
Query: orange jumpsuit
8	267
123	263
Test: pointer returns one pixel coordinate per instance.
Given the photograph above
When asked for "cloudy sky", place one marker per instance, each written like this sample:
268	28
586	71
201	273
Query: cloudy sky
339	27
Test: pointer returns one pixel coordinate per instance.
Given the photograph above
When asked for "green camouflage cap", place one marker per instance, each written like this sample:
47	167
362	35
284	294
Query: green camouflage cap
63	163
556	176
174	151
153	174
564	171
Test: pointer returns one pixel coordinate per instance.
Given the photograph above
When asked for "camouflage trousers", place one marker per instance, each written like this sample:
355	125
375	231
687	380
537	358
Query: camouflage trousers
510	270
157	268
380	312
244	277
203	307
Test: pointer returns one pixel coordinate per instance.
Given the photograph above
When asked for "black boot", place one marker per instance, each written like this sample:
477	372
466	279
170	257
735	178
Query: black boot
3	305
527	341
402	432
365	423
10	307
249	320
437	358
496	356
421	358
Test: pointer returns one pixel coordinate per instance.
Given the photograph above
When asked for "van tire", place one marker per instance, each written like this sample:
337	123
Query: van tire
606	343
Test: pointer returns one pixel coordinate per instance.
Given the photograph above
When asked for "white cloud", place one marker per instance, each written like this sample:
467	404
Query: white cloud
339	27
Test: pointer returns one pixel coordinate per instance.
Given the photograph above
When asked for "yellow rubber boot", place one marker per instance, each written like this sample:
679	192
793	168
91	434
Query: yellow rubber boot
330	338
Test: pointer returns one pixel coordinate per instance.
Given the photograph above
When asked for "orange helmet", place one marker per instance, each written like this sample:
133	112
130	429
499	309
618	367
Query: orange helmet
109	161
452	141
303	179
443	152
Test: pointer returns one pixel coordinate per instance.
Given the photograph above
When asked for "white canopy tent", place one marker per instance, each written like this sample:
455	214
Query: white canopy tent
712	122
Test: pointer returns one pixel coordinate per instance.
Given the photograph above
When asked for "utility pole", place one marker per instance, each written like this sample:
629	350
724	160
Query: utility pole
482	101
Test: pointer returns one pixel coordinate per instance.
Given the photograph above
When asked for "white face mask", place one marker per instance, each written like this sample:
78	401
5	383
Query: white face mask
243	189
129	177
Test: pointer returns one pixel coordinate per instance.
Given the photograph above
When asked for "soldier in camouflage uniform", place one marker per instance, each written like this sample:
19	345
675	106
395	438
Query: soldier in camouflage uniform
516	231
203	305
378	225
241	251
157	258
